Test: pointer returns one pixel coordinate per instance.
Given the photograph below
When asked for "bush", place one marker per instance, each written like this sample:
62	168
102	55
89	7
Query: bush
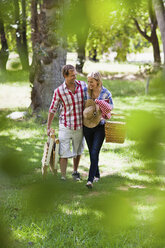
157	84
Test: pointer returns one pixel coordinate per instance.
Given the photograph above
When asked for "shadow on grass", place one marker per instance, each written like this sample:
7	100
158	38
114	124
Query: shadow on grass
63	214
53	213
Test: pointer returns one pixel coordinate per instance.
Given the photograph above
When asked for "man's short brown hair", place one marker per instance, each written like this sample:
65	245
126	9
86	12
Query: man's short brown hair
66	69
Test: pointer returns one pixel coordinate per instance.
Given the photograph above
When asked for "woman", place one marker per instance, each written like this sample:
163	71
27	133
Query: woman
97	108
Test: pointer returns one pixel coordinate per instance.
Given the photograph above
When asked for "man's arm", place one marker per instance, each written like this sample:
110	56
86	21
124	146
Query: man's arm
53	109
50	119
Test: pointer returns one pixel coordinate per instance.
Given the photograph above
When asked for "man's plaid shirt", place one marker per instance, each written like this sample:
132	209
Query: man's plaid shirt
69	105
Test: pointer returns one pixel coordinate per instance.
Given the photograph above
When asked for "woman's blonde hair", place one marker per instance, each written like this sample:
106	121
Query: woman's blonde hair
96	75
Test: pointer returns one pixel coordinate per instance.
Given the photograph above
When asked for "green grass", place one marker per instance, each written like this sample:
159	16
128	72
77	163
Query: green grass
14	77
124	210
122	87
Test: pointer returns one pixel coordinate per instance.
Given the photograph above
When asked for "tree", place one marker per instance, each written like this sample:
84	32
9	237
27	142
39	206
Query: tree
34	22
4	52
116	35
81	41
76	22
4	23
160	15
21	40
49	51
14	22
151	27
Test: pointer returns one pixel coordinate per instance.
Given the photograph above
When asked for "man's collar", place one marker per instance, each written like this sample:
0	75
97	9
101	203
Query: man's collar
77	84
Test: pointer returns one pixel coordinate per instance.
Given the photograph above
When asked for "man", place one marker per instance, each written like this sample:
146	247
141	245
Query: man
68	100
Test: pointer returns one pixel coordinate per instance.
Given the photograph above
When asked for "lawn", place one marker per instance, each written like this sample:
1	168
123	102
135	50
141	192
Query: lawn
124	209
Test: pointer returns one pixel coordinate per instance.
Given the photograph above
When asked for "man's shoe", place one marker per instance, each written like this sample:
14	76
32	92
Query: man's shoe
89	185
76	176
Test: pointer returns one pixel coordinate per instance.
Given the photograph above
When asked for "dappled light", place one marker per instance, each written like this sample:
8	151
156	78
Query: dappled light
159	218
131	180
124	41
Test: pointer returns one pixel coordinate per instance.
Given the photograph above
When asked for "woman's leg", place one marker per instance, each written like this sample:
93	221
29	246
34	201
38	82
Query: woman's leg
98	138
97	172
88	134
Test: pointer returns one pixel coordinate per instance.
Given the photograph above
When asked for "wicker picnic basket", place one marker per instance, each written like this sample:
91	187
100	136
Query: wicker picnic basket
115	131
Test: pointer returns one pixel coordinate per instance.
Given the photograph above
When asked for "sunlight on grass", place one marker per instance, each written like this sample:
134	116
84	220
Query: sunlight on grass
115	157
117	212
102	66
31	233
19	149
146	209
21	134
142	178
34	160
107	67
14	96
13	57
69	211
77	210
137	186
145	213
148	103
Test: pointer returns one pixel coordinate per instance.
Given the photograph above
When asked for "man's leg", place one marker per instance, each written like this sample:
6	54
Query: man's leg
78	147
64	148
63	166
76	162
76	174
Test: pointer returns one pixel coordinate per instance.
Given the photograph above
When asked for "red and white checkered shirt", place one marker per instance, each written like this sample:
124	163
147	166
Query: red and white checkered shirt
69	105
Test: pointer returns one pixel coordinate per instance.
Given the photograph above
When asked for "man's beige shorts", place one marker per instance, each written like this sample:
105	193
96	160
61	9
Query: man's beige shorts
71	142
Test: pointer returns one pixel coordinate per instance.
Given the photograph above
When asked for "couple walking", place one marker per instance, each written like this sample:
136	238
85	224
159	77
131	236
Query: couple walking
82	112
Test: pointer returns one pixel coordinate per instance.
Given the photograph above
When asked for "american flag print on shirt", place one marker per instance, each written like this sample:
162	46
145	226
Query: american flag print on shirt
70	105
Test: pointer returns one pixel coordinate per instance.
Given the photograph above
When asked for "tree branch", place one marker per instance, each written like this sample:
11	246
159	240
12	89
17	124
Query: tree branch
143	33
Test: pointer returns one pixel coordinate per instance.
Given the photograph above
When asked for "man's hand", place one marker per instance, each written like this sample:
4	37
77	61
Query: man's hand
50	130
50	118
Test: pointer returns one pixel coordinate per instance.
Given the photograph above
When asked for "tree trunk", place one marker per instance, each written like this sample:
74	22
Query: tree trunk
80	56
156	49
160	15
153	39
81	40
93	55
4	53
20	35
34	22
24	38
35	38
49	55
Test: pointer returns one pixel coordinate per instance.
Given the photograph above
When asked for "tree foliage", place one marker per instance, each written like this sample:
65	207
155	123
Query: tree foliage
15	15
119	32
93	27
113	25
